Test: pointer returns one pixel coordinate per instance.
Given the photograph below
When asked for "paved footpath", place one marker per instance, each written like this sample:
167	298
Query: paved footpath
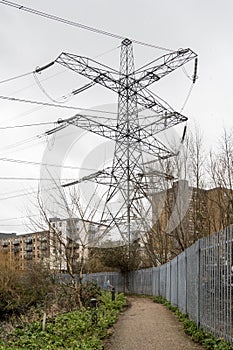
150	326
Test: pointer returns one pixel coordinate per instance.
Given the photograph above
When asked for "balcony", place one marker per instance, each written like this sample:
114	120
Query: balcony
16	250
43	247
28	257
6	248
28	249
16	242
42	239
28	240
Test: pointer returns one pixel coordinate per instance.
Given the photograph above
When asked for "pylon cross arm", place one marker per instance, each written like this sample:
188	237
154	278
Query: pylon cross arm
162	66
106	127
141	78
91	69
138	141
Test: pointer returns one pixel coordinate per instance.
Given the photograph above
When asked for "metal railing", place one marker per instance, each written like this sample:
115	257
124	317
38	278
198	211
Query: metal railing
199	282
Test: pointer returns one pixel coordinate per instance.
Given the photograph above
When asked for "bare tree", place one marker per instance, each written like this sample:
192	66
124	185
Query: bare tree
179	206
71	234
221	172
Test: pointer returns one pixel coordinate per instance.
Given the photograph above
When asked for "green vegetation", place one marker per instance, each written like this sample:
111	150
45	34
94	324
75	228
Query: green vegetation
80	329
190	327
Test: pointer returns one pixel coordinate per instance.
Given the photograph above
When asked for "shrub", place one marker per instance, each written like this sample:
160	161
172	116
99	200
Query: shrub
73	330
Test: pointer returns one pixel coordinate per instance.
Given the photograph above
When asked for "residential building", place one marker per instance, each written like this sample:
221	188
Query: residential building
67	240
70	240
22	249
182	214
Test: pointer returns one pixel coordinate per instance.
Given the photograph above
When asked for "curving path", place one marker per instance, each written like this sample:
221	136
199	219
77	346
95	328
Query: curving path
150	326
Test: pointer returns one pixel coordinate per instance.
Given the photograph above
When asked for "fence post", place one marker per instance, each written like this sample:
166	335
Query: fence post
186	283
153	281
170	282
177	281
198	281
159	289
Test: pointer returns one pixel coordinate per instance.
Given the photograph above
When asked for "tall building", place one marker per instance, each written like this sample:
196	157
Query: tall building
65	243
70	240
22	249
182	214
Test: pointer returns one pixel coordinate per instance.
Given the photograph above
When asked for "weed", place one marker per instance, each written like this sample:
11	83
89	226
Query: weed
73	330
190	328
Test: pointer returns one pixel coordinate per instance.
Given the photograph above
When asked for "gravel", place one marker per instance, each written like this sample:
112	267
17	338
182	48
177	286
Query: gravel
150	326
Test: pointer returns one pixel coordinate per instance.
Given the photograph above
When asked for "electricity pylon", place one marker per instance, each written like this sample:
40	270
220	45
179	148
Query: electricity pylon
133	136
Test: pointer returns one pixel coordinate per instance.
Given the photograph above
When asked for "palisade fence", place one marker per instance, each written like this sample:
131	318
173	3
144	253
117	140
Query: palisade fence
199	282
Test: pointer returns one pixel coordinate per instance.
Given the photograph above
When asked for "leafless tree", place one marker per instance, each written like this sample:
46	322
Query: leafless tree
69	244
221	172
179	213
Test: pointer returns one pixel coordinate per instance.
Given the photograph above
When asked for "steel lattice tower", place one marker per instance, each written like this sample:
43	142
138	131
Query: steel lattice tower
132	138
128	159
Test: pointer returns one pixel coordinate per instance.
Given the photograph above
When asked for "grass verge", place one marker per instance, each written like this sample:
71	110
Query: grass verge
190	327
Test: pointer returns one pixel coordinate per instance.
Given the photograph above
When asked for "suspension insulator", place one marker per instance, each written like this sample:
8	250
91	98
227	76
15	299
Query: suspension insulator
39	69
195	71
184	133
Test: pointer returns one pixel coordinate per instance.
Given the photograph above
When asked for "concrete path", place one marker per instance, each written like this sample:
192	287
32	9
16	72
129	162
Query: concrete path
150	326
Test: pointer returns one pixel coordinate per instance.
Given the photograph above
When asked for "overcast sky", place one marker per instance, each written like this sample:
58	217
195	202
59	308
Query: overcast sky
29	41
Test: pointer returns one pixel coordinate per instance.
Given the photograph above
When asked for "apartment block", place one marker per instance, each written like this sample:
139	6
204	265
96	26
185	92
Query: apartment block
70	239
182	214
22	249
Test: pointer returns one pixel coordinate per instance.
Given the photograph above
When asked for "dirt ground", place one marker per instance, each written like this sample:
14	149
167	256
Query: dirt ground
150	326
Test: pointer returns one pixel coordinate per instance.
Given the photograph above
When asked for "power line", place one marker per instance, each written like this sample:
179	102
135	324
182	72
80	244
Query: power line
10	225
26	125
187	98
16	77
18	218
22	142
38	138
21	193
17	194
32	178
52	76
47	104
44	164
23	114
78	25
10	147
62	99
15	99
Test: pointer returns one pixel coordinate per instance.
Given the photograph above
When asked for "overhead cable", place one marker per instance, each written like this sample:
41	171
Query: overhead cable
78	25
62	99
10	225
16	77
17	194
47	104
44	164
18	144
187	98
25	125
194	79
19	217
32	178
15	99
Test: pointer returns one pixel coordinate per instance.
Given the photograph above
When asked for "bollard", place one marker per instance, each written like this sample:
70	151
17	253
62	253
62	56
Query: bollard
113	293
93	303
